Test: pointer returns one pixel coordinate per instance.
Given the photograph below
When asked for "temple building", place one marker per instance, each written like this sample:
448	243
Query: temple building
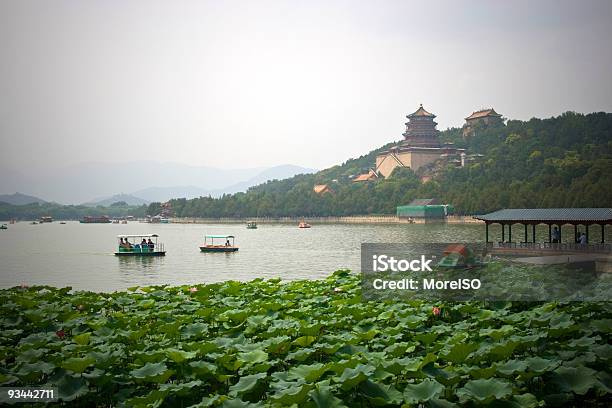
421	146
483	117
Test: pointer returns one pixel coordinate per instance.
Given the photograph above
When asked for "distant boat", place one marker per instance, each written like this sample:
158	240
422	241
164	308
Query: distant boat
124	221
63	222
303	224
3	226
115	221
251	225
211	247
95	220
34	223
46	219
137	248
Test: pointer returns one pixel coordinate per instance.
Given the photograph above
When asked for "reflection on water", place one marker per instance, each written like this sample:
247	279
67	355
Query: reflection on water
81	255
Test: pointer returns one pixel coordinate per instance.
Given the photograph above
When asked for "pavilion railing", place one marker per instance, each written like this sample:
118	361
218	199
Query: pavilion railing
553	247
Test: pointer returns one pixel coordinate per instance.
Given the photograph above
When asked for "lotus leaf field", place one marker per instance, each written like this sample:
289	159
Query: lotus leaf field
301	343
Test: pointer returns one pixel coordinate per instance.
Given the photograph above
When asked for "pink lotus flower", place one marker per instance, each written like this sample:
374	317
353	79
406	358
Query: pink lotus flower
23	286
60	333
193	289
337	290
436	311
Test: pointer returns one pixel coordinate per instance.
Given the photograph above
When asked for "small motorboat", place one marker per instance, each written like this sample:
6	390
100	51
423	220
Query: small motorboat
303	224
209	246
251	225
62	222
3	226
139	248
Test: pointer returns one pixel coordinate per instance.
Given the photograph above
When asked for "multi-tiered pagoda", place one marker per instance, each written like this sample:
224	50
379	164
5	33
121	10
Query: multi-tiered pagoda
421	129
421	147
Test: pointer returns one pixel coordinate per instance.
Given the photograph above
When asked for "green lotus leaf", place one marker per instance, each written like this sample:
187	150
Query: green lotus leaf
301	354
203	367
426	338
323	397
527	401
540	365
292	395
459	352
180	389
351	377
30	355
178	356
422	392
380	394
246	384
34	370
253	357
70	388
78	364
484	391
152	372
82	339
512	367
304	341
309	373
577	380
497	334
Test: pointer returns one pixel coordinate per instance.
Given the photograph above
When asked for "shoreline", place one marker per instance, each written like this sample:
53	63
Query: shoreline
356	219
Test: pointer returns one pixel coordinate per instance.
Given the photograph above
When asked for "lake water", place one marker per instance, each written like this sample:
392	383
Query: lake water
81	255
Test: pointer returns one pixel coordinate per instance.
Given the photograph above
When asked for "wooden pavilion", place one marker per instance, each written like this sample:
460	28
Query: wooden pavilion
558	217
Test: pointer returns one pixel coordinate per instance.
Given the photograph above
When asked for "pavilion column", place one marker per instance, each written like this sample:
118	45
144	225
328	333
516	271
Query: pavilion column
534	234
503	232
602	233
509	232
560	235
486	232
525	233
575	232
586	227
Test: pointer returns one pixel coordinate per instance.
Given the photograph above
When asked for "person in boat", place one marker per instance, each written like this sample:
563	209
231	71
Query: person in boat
143	243
150	244
227	243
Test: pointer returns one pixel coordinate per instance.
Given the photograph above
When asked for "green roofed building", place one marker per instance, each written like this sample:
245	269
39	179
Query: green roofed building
427	208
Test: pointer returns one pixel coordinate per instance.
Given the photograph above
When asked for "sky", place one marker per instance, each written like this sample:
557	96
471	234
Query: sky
234	84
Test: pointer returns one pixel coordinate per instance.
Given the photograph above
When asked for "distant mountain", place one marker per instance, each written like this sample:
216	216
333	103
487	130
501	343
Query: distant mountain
20	199
155	180
127	198
162	194
273	173
166	193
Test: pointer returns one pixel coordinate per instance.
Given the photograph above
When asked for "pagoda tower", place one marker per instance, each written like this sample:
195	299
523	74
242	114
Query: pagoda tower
421	130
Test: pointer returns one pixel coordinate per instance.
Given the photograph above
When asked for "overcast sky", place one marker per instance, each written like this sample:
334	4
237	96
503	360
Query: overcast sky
257	83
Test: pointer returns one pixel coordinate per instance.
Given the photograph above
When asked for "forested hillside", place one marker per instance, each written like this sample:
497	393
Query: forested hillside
563	161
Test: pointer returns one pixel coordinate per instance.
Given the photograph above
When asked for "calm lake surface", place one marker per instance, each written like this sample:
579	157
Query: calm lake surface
81	255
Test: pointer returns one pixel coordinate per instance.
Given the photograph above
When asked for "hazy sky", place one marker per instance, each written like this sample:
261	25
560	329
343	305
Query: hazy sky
256	83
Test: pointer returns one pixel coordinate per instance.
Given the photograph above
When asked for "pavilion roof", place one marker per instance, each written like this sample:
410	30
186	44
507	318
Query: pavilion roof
549	215
483	113
421	112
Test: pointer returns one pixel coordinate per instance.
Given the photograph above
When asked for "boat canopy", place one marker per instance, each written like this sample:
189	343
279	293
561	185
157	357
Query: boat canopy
219	236
138	236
